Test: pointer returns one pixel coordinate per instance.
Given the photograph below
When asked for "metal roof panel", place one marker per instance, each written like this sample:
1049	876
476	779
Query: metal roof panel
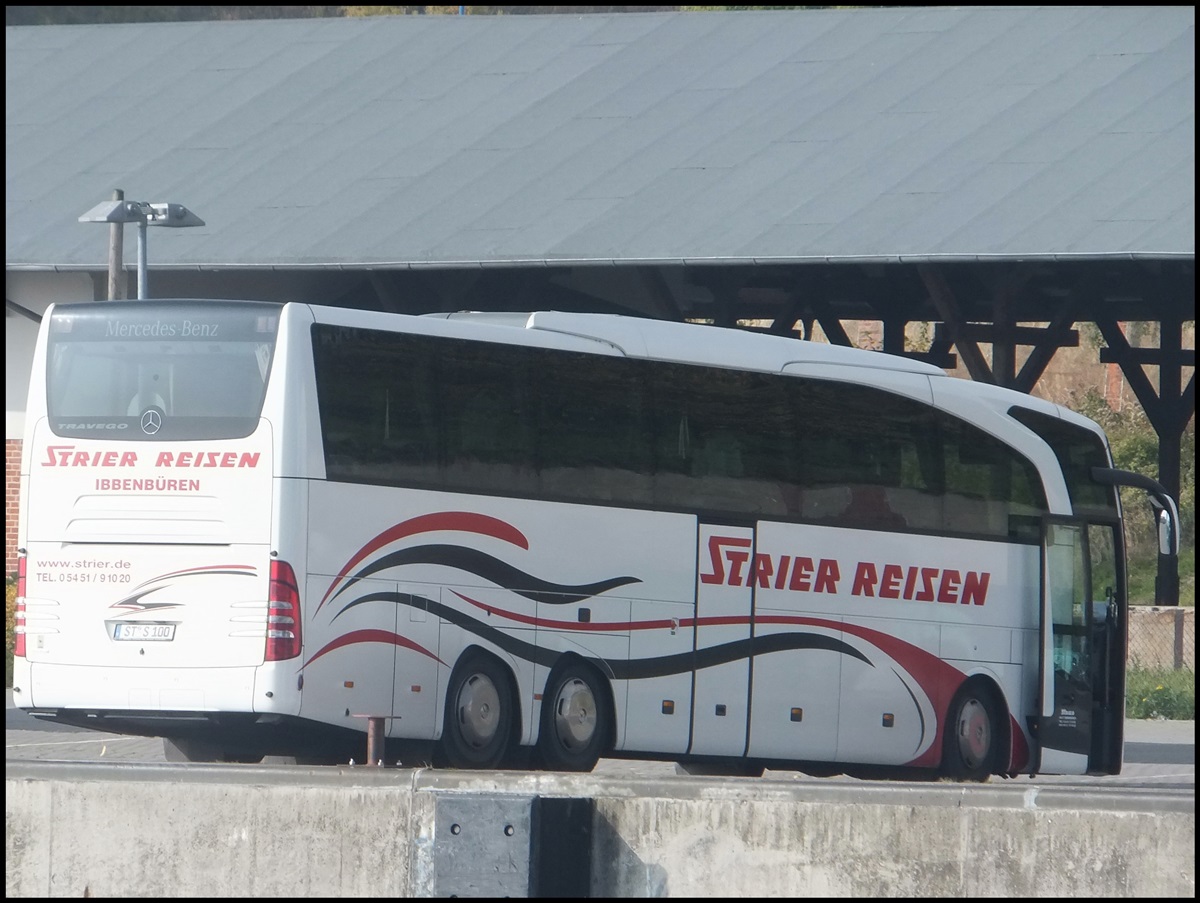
850	133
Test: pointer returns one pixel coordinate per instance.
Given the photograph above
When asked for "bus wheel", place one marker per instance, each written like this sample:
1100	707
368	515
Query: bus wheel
479	714
575	719
973	734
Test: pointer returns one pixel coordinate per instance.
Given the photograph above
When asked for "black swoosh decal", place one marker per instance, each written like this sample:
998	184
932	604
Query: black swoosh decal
491	569
631	669
134	599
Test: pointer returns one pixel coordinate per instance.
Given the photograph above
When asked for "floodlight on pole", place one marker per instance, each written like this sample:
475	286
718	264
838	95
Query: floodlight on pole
144	214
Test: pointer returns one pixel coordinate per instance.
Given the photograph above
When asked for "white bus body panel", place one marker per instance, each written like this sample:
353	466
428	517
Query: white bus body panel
724	600
160	493
290	403
858	604
855	624
168	539
165	541
444	572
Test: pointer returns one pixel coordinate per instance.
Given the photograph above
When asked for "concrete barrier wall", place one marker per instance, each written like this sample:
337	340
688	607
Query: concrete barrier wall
797	849
127	836
173	830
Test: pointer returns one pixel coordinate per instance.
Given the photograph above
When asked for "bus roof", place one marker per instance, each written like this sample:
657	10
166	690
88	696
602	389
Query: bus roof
693	342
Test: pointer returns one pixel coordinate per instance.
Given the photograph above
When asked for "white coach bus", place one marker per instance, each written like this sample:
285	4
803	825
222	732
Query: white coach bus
251	528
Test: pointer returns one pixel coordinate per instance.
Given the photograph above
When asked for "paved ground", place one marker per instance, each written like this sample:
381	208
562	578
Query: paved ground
1158	752
1176	733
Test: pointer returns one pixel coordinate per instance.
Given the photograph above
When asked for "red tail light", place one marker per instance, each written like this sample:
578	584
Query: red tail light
19	611
283	614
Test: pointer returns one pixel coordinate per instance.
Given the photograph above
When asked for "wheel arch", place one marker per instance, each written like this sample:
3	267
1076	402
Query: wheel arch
983	682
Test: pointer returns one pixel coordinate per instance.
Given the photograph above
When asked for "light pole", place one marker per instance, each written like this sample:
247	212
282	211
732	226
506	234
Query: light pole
119	212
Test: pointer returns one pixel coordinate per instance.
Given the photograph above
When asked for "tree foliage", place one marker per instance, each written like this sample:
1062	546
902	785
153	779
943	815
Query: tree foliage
99	15
1135	447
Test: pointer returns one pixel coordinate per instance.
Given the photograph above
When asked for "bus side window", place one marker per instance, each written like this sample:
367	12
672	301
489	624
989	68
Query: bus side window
859	458
593	442
975	500
739	436
486	416
718	455
870	507
482	427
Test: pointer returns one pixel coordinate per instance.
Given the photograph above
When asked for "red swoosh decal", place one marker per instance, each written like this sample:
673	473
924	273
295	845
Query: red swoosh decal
372	636
937	679
590	625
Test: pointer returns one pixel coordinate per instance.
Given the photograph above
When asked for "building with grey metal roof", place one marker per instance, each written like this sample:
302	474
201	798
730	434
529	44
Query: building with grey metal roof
857	135
881	135
979	167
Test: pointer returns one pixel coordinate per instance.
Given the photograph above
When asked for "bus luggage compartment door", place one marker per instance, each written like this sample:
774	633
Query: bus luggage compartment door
724	602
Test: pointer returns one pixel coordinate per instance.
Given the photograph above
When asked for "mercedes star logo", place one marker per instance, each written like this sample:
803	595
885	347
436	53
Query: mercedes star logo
151	422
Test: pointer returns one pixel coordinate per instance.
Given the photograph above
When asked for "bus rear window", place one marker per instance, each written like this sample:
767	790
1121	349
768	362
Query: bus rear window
159	371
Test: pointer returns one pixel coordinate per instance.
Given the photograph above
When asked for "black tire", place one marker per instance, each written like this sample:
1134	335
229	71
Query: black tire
479	714
974	734
576	716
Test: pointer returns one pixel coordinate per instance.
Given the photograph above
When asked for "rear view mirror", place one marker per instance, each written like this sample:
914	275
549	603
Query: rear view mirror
1166	511
1168	539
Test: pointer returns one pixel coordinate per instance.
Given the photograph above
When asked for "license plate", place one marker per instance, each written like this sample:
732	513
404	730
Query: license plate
147	633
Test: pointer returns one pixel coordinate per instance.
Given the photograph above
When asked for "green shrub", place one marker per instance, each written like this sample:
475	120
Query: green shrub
1160	693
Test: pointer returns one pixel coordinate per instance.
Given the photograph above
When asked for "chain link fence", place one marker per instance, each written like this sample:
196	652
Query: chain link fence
1162	638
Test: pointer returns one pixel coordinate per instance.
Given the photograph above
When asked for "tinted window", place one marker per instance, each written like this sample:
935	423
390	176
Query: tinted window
483	398
1078	450
723	440
990	489
156	371
594	441
379	417
506	419
870	458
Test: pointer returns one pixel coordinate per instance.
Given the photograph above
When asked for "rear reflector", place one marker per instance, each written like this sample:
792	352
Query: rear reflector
283	614
19	611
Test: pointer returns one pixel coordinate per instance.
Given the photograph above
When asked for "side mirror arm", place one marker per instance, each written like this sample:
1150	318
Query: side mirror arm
1167	521
1168	512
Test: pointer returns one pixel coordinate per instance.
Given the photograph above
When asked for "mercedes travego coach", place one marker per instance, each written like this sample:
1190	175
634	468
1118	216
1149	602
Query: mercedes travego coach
252	528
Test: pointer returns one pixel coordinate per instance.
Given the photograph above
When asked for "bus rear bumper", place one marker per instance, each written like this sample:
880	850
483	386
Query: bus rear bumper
142	690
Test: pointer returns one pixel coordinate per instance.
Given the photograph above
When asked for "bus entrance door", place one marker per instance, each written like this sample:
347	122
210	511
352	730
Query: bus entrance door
1082	662
724	602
